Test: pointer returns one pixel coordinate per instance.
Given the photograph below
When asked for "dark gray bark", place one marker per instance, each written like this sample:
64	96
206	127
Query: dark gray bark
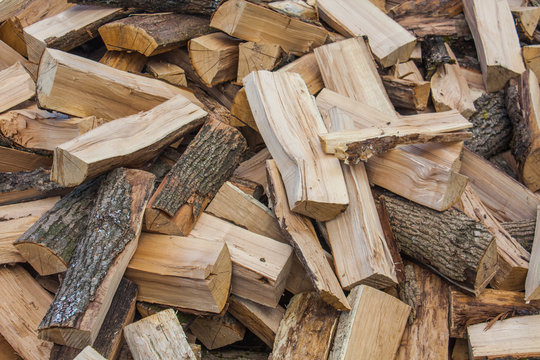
434	53
28	185
205	7
522	231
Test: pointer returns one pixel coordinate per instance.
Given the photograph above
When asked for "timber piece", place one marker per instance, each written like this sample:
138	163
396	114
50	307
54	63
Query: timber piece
296	9
491	304
6	351
9	8
253	56
441	8
248	187
290	123
507	199
375	318
388	40
89	353
186	272
522	231
531	56
214	57
435	53
532	284
123	60
215	332
526	19
202	7
99	261
426	335
254	168
50	242
171	73
152	34
67	30
306	330
28	185
514	338
16	86
129	141
426	25
159	336
405	93
23	306
505	162
496	41
260	265
454	245
512	258
261	320
251	22
193	181
9	57
300	233
27	209
107	93
460	351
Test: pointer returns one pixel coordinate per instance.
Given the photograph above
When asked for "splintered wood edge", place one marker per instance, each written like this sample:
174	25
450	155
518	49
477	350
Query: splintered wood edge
487	267
67	169
456	186
42	259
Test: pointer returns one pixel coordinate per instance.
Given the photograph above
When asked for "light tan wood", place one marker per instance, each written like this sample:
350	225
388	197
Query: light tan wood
171	73
89	353
9	56
159	336
13	160
253	56
24	304
25	209
496	41
514	338
296	9
10	7
215	332
526	19
376	318
532	284
6	351
107	93
16	86
122	60
290	124
247	21
128	141
531	56
406	93
254	168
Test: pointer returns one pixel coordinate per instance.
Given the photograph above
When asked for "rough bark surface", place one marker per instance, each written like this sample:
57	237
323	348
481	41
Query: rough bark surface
501	163
522	231
38	179
442	8
409	292
205	7
434	53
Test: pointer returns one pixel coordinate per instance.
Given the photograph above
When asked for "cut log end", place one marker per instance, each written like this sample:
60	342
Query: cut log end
487	268
456	186
401	54
67	169
496	77
64	335
319	211
42	259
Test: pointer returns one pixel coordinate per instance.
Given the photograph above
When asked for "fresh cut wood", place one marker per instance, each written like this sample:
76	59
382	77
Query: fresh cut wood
253	56
89	353
123	60
16	86
171	73
532	284
217	331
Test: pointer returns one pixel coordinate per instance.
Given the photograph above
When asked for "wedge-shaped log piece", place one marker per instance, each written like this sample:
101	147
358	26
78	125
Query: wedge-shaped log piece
526	19
215	332
203	7
496	41
260	265
194	180
253	56
532	285
290	123
107	93
67	30
436	238
186	272
247	21
531	56
389	42
9	57
16	86
123	60
9	8
302	236
159	336
101	257
28	185
375	318
254	168
89	353
129	141
171	73
408	94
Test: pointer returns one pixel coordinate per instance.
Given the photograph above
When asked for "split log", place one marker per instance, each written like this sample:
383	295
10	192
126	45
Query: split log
526	19
129	141
28	185
203	7
505	162
16	86
296	9
192	183
531	56
247	21
254	168
159	336
67	30
254	56
496	41
10	8
214	57
435	53
248	187
532	285
152	34
122	60
89	353
27	209
522	231
406	93
9	57
13	160
313	180
491	304
186	272
455	246
306	330
7	351
101	257
171	73
389	42
108	93
425	25
376	318
215	332
441	8
11	230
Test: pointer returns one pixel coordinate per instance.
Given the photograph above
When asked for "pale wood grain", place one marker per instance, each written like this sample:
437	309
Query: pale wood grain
16	86
532	284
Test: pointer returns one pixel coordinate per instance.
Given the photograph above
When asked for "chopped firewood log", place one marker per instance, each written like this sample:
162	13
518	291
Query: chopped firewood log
6	351
532	285
215	332
496	41
313	180
147	309
507	199
251	22
13	160
296	9
68	29
301	235
426	335
306	330
10	8
123	60
248	187
214	57
376	318
186	272
254	168
512	258
9	57
261	320
426	25
99	261
89	353
108	93
253	56
491	304
475	81
26	209
16	86
526	19
260	265
405	93
505	162
436	8
28	185
435	53
22	308
49	244
202	7
159	336
129	141
436	238
522	231
152	34
531	56
171	73
192	183
514	338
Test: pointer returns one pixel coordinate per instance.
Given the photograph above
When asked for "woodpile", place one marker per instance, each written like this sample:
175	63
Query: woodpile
256	179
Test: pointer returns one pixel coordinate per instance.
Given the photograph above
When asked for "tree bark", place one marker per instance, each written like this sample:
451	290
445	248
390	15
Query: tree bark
434	53
203	7
28	185
522	231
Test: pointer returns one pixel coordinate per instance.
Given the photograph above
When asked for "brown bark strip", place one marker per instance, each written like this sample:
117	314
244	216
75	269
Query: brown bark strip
203	7
522	231
28	185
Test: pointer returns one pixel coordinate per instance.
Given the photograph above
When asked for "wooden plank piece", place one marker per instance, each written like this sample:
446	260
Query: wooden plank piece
16	86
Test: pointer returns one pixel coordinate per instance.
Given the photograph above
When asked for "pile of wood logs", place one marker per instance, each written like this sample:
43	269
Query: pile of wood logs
248	179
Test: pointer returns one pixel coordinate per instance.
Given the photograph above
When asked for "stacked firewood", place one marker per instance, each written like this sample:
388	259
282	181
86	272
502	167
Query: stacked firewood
331	179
